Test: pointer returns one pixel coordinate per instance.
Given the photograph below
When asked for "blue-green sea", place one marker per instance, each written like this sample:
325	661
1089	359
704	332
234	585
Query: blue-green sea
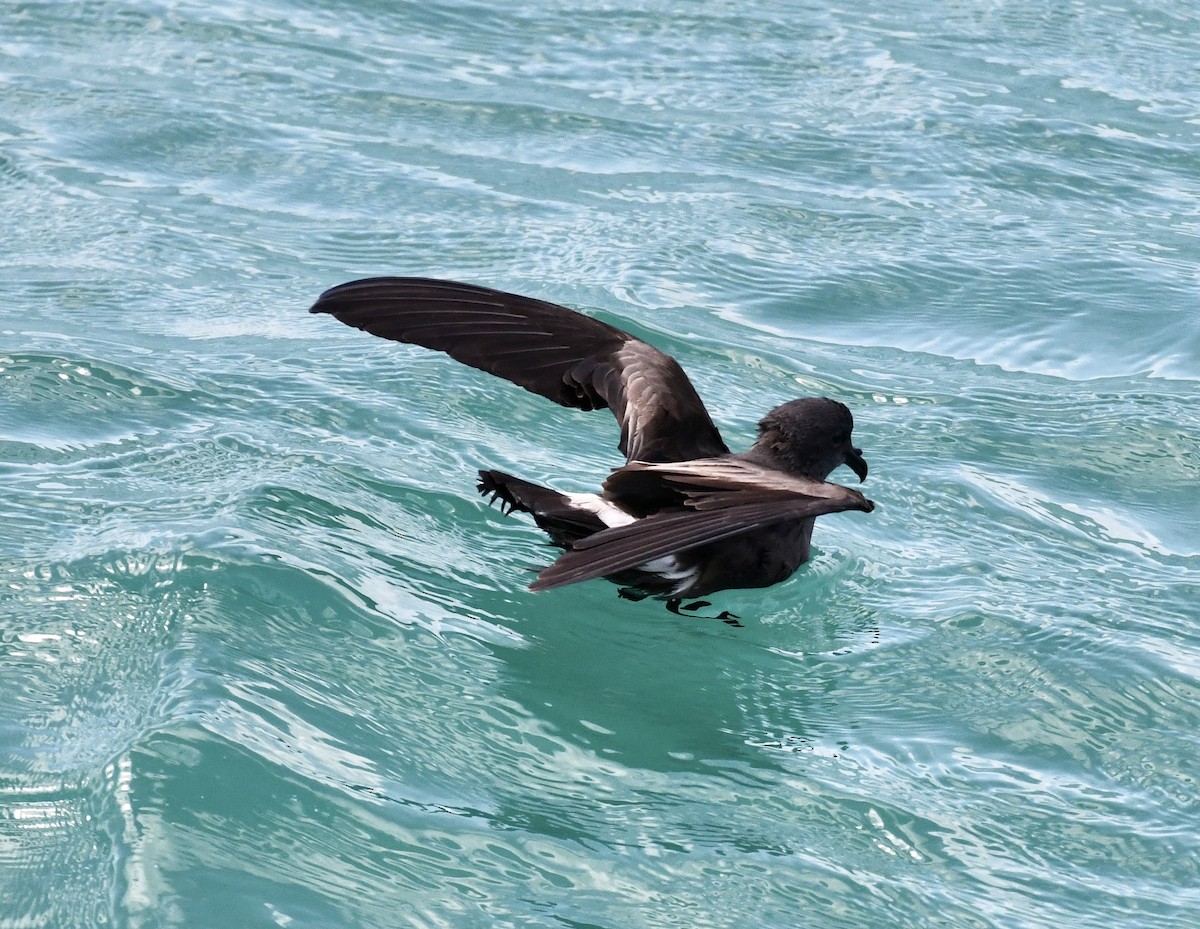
268	660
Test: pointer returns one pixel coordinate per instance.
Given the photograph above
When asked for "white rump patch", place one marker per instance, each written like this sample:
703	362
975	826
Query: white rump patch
610	514
666	566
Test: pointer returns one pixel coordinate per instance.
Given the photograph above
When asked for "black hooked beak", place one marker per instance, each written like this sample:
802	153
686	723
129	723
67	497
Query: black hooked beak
857	463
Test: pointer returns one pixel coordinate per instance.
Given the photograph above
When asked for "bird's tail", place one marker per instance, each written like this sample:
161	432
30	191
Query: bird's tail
556	514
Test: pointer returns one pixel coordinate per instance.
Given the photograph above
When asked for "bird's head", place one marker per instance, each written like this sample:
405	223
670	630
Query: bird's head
810	437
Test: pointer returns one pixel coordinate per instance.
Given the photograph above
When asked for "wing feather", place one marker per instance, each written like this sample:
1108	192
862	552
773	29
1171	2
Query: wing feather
567	357
708	516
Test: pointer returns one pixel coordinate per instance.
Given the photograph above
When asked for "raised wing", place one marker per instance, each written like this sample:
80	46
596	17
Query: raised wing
720	499
570	358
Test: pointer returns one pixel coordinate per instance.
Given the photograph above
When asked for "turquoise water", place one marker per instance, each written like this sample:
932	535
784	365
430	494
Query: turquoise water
266	659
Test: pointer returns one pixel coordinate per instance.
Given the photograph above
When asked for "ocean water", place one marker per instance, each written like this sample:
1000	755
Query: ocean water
266	659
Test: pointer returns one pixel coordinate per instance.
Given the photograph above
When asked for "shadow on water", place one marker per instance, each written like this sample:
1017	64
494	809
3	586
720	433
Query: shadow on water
634	682
682	699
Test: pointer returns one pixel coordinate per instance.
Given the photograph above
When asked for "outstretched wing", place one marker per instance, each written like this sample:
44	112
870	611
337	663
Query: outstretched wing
570	358
721	499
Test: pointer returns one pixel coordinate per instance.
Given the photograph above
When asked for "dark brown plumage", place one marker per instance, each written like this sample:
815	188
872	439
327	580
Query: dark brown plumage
683	517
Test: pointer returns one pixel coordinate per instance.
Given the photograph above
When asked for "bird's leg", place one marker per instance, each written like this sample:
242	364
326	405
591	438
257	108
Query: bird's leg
632	593
675	604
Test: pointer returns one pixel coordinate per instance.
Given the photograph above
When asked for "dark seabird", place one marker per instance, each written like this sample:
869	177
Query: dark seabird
684	517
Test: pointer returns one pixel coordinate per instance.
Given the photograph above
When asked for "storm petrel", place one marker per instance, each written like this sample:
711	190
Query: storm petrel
684	516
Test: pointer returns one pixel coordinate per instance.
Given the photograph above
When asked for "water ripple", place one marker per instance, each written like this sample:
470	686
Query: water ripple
260	634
